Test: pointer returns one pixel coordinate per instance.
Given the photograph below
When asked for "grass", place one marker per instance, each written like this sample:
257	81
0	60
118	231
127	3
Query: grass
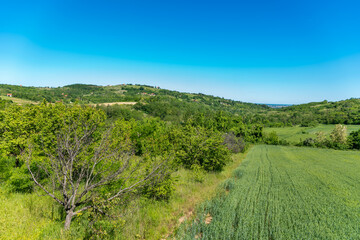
18	100
295	134
156	220
24	216
29	216
284	193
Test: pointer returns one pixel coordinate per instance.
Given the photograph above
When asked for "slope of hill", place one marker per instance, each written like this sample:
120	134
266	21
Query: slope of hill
170	105
151	100
101	94
310	114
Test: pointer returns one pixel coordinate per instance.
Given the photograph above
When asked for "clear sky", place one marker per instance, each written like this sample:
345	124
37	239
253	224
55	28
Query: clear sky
255	51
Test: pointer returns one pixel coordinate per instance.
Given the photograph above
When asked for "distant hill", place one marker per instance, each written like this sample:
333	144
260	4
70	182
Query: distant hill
310	114
155	101
174	105
93	94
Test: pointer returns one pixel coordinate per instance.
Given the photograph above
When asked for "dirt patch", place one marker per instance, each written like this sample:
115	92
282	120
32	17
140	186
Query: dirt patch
182	219
198	236
208	219
188	214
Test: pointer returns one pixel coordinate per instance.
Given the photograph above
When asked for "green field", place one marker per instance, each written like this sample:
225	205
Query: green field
18	100
285	193
295	134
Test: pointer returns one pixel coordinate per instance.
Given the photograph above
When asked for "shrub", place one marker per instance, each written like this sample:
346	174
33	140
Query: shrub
338	135
20	180
309	142
197	146
101	229
198	173
6	166
161	190
309	124
272	138
233	143
354	140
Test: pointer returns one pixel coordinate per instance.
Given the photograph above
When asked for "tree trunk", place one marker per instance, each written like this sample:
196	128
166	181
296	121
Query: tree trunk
69	215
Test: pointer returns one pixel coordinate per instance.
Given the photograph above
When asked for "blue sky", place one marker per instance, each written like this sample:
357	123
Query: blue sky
255	51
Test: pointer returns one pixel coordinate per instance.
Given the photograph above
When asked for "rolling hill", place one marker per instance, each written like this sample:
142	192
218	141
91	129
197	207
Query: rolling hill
169	104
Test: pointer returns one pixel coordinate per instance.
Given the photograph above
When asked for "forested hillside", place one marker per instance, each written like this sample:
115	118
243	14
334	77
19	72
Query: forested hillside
118	93
310	114
178	106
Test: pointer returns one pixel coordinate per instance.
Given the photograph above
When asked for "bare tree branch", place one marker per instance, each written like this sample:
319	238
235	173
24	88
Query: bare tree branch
80	165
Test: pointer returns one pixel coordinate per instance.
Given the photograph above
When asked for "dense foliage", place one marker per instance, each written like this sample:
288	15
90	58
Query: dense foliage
354	140
188	145
311	114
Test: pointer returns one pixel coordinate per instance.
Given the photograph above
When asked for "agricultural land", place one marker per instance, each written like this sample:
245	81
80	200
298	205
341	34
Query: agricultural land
285	193
295	134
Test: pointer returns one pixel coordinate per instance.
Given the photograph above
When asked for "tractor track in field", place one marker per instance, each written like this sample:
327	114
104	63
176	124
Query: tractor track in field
288	193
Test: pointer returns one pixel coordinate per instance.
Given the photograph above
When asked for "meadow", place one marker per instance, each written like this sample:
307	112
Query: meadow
284	193
30	216
18	101
296	134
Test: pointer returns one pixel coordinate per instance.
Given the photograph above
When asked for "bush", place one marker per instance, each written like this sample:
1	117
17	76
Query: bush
309	142
161	190
272	138
20	180
198	146
309	124
6	166
336	145
354	140
101	229
198	173
338	135
233	143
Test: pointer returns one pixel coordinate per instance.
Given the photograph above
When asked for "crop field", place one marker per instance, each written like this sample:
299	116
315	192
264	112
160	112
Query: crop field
295	134
284	193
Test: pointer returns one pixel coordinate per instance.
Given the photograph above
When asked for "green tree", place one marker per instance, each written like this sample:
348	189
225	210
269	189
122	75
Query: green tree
198	146
354	140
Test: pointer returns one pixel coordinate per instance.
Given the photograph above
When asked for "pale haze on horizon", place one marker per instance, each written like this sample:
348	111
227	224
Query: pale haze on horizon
261	52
